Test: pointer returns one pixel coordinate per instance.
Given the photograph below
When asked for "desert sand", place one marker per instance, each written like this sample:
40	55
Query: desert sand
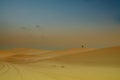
71	64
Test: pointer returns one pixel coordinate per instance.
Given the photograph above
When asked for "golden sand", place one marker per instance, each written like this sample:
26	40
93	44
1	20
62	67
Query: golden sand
72	64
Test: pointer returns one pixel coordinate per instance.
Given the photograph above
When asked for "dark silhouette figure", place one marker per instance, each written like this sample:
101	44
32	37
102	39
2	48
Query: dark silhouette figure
82	46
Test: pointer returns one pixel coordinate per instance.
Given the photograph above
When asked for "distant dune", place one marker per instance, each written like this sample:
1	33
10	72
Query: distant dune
73	56
28	51
23	55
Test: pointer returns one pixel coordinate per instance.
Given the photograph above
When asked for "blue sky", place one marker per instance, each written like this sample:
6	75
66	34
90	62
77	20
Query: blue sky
72	21
58	11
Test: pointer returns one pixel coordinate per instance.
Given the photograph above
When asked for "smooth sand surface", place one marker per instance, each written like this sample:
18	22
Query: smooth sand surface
72	64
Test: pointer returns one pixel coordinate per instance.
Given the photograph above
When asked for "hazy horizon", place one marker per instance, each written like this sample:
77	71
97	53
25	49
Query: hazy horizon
59	24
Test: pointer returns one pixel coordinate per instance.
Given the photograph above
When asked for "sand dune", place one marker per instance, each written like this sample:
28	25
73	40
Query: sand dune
4	54
23	55
71	64
28	51
105	56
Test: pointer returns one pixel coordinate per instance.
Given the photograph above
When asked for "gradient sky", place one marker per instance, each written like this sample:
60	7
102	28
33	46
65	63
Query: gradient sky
59	24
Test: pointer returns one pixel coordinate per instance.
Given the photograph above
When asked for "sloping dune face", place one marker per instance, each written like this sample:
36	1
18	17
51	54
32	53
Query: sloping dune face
106	56
4	54
26	55
71	64
28	51
23	55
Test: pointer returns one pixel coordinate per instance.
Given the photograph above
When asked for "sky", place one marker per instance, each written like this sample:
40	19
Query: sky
59	24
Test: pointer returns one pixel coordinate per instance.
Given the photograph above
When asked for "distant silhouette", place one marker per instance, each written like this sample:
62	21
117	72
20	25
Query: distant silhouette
23	28
82	46
38	26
